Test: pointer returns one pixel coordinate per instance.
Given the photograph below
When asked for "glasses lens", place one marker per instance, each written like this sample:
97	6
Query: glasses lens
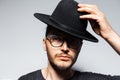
74	43
55	41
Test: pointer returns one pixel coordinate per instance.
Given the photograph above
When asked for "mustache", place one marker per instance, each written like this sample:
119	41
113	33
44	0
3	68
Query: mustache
64	55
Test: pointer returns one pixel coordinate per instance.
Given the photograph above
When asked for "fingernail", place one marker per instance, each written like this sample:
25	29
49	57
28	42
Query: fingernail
79	4
79	9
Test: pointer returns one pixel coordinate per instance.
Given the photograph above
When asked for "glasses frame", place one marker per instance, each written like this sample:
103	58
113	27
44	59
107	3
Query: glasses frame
48	38
62	41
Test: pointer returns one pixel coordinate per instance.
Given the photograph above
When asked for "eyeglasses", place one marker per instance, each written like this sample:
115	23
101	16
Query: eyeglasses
58	41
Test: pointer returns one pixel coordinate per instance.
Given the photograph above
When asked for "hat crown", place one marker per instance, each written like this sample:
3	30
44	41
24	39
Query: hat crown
66	14
66	18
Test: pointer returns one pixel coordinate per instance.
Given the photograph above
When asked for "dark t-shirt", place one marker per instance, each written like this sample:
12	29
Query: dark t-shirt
37	75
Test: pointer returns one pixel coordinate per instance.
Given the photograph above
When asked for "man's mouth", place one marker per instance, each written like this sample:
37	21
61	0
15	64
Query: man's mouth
64	58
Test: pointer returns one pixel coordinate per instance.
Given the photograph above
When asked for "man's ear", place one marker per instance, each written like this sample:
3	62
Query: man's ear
44	44
81	45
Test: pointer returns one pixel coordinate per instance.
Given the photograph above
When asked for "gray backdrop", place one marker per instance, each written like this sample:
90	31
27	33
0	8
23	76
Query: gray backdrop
21	37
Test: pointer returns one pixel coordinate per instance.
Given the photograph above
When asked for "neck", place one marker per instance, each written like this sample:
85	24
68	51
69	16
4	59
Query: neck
50	73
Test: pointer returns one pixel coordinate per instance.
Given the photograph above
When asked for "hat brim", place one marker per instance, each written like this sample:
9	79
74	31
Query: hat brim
46	19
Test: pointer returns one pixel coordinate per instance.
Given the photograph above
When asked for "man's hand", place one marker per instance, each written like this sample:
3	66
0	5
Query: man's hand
100	25
96	19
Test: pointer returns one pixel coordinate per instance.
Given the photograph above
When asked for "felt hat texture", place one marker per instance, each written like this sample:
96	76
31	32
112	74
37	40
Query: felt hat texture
65	17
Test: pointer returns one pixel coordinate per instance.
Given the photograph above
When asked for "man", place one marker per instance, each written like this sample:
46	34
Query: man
66	29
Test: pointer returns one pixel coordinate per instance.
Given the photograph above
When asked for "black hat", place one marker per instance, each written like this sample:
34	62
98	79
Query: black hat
66	18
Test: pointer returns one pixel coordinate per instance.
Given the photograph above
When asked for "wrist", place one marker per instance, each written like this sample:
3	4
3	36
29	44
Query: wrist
110	35
107	32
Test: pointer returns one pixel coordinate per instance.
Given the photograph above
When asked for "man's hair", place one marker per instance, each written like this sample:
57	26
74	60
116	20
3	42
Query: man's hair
49	29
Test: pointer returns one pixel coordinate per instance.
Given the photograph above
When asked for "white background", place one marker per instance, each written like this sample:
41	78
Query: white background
21	37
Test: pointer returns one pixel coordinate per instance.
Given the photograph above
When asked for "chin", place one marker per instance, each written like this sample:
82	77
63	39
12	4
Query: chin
62	66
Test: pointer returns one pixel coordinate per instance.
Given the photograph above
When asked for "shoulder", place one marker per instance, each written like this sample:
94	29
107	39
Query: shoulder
95	76
31	76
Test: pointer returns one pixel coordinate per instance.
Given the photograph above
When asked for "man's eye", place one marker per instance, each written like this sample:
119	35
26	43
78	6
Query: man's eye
57	39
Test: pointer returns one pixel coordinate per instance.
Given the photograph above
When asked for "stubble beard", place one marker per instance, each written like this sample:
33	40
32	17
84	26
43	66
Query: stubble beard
58	67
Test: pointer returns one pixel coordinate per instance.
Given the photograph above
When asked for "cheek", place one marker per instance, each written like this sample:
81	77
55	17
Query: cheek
74	55
51	52
77	52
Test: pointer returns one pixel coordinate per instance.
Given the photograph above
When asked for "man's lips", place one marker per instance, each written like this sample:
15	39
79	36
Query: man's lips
64	58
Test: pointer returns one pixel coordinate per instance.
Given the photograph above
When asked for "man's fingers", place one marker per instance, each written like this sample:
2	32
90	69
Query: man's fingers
92	9
89	16
87	9
87	5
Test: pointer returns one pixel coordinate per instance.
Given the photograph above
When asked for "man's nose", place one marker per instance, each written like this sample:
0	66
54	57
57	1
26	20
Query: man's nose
65	47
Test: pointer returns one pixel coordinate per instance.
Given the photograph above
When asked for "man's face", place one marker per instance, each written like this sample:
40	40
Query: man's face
62	49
